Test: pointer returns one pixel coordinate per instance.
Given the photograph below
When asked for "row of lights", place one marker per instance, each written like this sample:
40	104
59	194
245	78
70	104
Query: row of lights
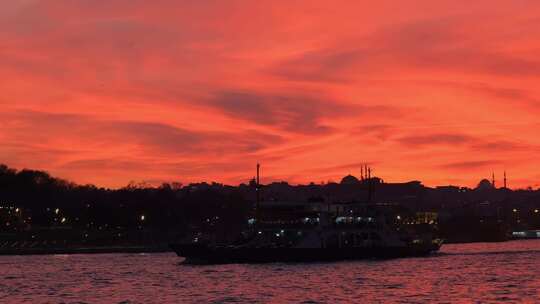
516	210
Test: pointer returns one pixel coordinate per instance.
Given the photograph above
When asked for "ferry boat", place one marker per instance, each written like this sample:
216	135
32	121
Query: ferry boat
318	231
318	236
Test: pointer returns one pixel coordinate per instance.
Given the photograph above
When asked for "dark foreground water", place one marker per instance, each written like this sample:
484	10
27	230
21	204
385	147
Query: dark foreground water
478	273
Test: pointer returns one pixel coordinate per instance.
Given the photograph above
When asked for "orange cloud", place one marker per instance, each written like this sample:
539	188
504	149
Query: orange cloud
113	91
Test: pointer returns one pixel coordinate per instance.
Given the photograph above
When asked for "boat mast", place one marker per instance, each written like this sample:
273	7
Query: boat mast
257	193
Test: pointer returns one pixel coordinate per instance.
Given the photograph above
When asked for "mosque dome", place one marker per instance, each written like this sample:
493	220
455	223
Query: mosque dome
484	185
349	180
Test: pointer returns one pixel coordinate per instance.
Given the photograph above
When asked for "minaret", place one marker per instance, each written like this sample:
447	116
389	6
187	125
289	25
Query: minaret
362	173
505	180
493	179
369	183
366	171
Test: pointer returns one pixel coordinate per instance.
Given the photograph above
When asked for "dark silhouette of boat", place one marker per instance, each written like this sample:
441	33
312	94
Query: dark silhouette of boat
307	232
318	231
203	253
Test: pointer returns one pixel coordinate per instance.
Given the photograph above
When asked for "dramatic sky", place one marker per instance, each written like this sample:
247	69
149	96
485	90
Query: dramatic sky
113	91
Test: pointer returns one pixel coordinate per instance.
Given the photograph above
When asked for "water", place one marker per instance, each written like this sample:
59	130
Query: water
479	273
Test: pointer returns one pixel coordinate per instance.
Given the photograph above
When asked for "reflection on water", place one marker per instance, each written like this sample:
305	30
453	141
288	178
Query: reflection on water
486	273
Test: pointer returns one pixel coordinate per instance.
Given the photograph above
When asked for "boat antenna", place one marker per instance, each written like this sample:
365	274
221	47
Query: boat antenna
257	192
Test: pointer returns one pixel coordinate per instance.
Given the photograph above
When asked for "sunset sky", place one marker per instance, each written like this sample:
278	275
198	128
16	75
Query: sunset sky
109	92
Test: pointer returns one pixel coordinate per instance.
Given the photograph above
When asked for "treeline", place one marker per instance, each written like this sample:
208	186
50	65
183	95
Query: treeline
33	199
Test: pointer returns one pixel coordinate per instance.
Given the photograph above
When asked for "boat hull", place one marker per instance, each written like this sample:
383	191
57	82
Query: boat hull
203	254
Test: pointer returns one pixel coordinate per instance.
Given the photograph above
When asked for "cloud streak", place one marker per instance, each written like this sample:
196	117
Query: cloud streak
160	90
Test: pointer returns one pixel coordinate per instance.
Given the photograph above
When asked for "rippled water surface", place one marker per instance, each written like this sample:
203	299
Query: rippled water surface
479	273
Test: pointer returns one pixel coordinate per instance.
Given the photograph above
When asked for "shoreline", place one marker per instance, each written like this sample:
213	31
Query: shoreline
85	250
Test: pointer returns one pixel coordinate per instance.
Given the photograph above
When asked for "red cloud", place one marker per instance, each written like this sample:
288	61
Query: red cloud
113	91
